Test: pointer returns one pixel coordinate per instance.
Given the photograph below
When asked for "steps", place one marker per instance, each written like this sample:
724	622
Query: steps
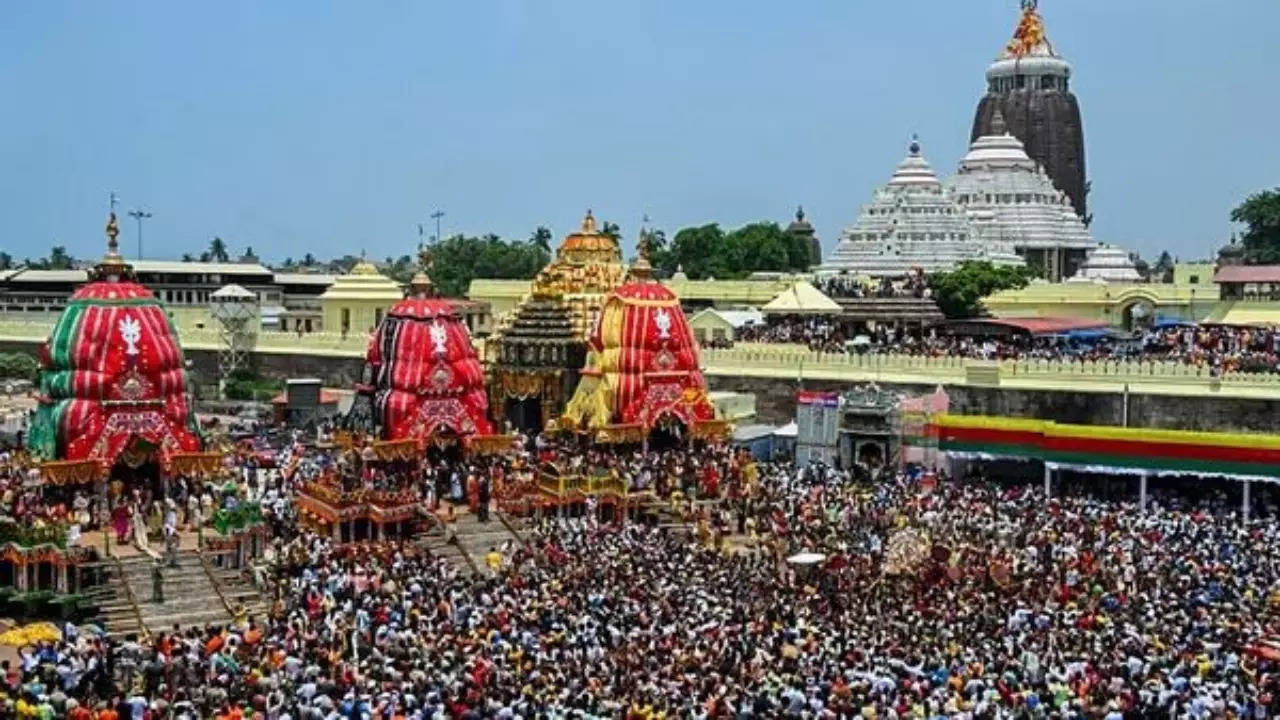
474	539
192	596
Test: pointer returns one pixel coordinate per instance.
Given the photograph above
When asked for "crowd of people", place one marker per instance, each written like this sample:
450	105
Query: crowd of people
1217	348
931	597
849	286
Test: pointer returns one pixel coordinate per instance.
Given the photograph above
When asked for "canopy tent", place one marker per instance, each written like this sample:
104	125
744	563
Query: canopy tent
1108	448
802	299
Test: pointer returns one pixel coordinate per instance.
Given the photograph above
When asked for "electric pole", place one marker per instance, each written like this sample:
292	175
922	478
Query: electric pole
139	214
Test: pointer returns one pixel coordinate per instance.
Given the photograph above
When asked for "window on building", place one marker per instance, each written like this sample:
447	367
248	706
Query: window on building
345	322
1194	279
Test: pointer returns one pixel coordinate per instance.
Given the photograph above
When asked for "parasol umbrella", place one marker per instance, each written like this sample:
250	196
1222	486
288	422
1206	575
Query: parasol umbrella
806	558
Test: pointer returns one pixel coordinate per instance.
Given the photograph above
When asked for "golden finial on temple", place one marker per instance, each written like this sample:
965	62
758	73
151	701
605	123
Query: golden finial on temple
641	269
589	224
113	231
420	284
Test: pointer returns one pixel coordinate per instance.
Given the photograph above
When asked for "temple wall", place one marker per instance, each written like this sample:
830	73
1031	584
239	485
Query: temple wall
775	404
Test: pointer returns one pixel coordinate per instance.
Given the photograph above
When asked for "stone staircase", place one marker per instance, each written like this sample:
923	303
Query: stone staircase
474	539
193	596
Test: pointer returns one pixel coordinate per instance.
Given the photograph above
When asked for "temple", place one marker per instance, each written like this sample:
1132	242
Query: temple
1010	200
913	224
803	229
1029	86
642	373
357	302
1107	264
422	381
536	352
113	388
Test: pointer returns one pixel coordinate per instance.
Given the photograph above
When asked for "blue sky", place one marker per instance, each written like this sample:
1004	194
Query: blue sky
335	127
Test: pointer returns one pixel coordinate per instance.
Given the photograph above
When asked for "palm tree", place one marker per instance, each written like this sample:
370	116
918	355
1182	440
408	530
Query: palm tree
610	229
541	237
187	257
308	260
6	260
218	250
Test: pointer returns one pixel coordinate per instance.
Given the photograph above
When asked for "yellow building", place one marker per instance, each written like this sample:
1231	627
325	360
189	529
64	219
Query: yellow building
1116	304
356	302
504	295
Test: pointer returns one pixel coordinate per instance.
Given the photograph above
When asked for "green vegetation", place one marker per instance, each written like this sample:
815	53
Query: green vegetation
58	259
29	536
709	252
244	385
959	293
18	366
457	260
1260	213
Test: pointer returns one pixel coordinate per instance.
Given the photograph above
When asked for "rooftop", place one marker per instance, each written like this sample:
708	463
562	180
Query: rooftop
203	268
1247	274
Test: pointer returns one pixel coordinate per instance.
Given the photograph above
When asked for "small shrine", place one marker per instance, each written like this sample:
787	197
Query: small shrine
642	372
357	302
536	352
869	435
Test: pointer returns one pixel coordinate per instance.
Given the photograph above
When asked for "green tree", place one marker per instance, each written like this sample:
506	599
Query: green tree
188	257
218	250
6	260
541	239
401	269
18	366
1162	271
1260	214
758	247
610	229
459	259
59	259
700	251
959	293
308	260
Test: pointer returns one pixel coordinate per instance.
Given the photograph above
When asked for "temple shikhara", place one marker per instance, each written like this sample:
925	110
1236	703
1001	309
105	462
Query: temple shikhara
1029	90
113	384
1011	199
422	380
642	373
537	352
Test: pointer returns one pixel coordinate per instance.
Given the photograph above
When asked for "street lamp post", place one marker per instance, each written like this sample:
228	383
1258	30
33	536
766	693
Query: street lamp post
436	216
139	214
